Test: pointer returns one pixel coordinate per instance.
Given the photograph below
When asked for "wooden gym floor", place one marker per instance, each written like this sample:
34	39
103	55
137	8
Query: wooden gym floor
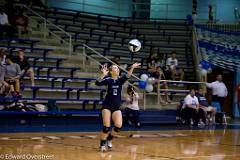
130	145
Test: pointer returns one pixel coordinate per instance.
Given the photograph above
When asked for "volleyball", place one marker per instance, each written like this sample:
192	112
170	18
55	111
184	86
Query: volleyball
134	45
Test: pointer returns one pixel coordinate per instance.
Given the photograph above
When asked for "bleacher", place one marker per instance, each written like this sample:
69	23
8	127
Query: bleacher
221	48
50	80
63	79
110	36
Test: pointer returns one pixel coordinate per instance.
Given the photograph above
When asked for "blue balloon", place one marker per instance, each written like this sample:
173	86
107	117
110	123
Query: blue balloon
205	64
189	18
142	84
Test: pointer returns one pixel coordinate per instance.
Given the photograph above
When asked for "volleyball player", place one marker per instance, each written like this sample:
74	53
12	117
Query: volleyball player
112	102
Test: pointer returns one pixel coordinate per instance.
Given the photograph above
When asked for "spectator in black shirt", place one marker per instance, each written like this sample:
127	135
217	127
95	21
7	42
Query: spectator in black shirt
26	69
159	75
203	104
152	64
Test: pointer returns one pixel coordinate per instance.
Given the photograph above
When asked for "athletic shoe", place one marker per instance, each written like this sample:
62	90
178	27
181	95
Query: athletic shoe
109	145
138	125
103	149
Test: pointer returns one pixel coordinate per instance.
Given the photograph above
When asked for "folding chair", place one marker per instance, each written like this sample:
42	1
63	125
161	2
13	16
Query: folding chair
217	106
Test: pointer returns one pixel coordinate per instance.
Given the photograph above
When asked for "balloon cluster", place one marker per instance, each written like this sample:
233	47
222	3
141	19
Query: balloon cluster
146	82
205	67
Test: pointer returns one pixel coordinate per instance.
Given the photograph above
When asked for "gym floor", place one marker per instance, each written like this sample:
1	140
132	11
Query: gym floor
149	143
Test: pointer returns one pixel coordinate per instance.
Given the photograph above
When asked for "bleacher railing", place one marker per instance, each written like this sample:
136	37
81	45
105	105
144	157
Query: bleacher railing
196	51
46	30
146	100
86	56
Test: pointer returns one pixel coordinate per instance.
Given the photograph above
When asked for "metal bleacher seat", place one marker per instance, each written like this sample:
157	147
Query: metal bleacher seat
51	68
31	42
32	49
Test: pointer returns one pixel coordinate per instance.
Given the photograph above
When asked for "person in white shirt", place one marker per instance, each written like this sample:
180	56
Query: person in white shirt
191	110
5	26
132	107
219	91
172	66
172	61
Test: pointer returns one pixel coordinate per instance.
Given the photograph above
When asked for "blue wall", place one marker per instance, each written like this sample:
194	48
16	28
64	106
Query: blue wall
178	9
224	9
173	9
121	8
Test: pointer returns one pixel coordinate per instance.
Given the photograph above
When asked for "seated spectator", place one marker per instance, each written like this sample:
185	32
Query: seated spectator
191	110
12	76
152	63
171	64
159	75
177	74
203	103
132	107
26	70
5	26
2	56
4	87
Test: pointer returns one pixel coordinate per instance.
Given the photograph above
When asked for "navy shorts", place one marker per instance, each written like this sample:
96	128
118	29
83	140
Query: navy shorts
112	109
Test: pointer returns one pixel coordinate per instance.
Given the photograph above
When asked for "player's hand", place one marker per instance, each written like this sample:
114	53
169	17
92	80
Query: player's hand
105	70
135	65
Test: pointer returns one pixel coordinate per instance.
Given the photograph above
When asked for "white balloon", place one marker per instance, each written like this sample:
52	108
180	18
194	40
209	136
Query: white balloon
209	70
204	72
149	88
151	80
200	66
144	77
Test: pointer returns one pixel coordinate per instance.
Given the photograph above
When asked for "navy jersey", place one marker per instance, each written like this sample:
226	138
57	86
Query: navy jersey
202	100
114	89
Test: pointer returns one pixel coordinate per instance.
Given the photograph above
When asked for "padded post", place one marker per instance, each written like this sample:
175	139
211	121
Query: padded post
78	93
87	83
68	93
48	71
38	71
63	82
84	105
58	63
35	89
53	82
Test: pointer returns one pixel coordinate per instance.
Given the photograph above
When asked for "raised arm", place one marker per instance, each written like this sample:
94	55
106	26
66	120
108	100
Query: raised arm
135	65
102	80
209	85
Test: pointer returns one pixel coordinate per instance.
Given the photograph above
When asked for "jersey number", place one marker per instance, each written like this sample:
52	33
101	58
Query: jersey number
115	91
